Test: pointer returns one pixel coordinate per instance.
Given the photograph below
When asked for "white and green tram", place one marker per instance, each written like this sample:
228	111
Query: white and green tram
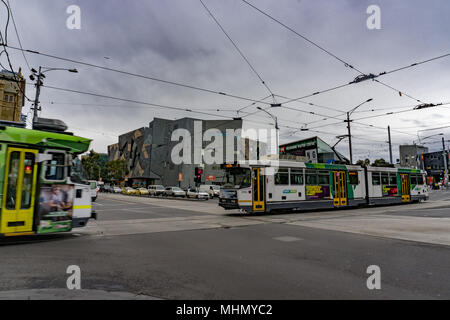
265	186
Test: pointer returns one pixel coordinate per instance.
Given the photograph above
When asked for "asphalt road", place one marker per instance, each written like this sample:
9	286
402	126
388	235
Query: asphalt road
228	256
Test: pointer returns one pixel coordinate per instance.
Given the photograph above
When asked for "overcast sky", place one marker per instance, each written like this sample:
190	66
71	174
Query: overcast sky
177	40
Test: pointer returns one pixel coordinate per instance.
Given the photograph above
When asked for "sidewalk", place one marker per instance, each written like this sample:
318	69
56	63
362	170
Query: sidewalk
65	294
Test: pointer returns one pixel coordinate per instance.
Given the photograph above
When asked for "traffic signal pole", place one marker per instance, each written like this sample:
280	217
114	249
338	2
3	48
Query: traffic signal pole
445	157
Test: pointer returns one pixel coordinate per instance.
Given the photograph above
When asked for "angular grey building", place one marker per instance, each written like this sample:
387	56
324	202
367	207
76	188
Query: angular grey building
409	155
147	152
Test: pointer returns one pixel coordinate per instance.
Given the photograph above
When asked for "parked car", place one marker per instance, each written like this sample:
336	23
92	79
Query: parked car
116	189
156	190
174	192
196	193
142	191
128	191
212	190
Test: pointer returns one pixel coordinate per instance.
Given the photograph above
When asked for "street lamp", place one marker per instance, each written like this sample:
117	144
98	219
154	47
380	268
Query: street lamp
40	75
348	127
276	125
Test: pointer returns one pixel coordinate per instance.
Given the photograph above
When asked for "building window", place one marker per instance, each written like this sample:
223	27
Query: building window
6	97
11	98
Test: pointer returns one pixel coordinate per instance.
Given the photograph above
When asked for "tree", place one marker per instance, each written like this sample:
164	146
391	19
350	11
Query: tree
91	165
363	163
381	163
115	169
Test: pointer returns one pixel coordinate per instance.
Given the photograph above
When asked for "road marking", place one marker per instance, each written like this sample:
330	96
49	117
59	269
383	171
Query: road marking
287	239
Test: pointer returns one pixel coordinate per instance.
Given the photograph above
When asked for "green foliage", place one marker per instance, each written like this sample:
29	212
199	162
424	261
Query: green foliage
381	163
91	165
363	163
115	169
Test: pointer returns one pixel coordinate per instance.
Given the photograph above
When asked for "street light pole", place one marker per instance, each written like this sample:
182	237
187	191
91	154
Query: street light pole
444	155
349	138
349	130
390	144
39	83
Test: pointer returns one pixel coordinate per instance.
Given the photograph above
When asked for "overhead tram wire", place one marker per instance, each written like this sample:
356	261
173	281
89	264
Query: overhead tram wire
237	49
221	93
135	101
346	64
18	37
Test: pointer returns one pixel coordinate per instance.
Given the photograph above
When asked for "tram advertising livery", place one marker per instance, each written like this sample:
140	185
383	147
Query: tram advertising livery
261	186
38	194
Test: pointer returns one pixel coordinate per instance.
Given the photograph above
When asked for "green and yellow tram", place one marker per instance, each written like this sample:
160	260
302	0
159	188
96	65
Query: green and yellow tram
38	194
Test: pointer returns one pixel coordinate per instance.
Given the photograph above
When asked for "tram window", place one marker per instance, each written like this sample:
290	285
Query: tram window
353	177
282	177
27	183
384	179
55	168
323	178
13	176
311	178
375	178
419	179
413	180
296	176
392	179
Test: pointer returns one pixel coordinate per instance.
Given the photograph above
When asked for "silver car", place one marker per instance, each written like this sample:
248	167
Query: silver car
174	192
195	193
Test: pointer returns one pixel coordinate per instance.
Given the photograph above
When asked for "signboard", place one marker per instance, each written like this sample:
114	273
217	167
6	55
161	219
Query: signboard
211	178
180	177
317	192
55	208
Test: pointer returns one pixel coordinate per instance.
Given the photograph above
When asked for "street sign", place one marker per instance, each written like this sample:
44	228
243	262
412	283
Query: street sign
180	177
211	178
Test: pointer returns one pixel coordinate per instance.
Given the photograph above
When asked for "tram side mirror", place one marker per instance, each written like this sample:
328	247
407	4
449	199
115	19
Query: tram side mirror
41	157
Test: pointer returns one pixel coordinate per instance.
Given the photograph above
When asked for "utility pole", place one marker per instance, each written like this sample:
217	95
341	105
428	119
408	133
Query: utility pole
36	99
349	138
444	155
40	75
390	144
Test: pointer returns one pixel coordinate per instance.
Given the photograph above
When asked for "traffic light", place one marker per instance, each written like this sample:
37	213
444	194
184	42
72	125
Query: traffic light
198	175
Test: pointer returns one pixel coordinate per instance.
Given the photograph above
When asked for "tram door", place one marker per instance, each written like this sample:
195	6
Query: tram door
258	188
404	179
340	188
18	191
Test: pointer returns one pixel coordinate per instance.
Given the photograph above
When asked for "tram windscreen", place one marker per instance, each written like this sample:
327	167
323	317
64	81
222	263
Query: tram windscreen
77	172
237	178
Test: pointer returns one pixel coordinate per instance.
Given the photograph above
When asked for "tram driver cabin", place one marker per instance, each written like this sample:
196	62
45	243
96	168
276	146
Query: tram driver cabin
265	186
40	190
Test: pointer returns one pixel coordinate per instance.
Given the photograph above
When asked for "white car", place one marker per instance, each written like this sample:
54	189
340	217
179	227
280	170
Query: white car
174	192
156	190
117	189
212	190
195	193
